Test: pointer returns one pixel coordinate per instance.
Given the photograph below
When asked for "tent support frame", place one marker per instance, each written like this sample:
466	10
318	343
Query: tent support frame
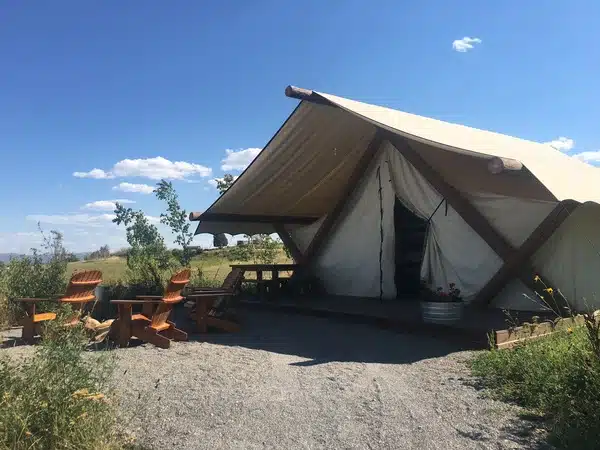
477	221
522	256
289	243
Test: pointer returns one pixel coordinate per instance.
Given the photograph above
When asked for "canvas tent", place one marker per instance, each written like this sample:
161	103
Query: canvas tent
498	210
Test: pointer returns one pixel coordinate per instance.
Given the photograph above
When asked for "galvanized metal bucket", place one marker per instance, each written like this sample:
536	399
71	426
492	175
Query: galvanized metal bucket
443	313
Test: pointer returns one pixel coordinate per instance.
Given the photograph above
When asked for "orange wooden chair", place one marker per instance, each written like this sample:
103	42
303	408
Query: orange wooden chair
80	291
213	308
152	325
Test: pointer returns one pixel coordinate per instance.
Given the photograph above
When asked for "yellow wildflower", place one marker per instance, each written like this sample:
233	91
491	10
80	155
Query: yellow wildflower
549	291
536	278
569	330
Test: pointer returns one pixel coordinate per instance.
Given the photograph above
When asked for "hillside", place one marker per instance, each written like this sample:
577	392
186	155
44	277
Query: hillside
214	264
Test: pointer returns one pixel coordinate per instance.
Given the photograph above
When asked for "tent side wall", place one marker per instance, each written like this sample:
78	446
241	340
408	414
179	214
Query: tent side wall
349	263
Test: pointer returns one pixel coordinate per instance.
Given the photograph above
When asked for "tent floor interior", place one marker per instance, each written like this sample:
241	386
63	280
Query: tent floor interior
403	316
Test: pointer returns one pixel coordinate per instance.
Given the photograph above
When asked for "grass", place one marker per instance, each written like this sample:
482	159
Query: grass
557	378
214	265
59	397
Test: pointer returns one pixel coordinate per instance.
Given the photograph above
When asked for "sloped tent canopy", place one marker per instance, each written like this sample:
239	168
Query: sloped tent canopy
328	178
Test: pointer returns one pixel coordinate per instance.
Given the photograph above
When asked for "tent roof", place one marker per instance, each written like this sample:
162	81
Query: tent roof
302	171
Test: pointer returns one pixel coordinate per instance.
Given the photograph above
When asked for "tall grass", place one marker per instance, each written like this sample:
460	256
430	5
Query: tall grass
557	377
59	398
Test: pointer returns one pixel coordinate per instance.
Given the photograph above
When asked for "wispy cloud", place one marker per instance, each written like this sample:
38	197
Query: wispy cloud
152	168
80	220
106	205
592	157
132	187
240	159
465	44
98	174
562	143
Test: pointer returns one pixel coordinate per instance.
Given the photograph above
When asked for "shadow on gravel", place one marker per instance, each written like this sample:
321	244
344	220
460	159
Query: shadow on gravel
322	340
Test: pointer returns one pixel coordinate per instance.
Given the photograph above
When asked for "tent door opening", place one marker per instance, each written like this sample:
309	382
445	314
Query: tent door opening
410	235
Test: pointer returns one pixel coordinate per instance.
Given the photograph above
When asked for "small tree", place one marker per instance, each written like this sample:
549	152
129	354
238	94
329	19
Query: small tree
225	183
220	240
148	257
176	218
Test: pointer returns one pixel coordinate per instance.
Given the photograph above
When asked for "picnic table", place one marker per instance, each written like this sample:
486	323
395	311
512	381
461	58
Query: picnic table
273	285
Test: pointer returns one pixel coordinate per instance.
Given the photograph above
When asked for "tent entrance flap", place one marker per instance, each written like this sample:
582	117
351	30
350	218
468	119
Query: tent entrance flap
410	234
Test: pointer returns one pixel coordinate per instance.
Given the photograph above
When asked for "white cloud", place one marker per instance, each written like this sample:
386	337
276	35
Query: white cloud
106	205
153	168
563	144
239	160
465	44
132	187
98	174
588	157
80	220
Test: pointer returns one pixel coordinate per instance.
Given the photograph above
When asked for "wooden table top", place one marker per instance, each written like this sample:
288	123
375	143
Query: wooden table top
265	267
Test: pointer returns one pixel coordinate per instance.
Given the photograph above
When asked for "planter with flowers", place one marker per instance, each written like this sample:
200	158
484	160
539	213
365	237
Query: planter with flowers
440	306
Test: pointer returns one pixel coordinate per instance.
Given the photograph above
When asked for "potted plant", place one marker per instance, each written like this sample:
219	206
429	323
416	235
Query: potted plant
441	306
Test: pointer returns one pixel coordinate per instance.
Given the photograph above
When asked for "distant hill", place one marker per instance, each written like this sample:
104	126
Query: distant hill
5	257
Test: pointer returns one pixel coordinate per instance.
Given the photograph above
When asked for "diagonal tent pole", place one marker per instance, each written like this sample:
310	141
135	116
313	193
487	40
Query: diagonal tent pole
522	256
332	219
467	211
289	243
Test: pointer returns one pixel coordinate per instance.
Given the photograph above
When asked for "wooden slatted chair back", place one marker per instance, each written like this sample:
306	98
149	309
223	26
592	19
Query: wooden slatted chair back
82	285
233	279
176	284
170	298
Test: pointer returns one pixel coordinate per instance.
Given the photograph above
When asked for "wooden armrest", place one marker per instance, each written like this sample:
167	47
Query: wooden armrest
34	300
135	302
156	297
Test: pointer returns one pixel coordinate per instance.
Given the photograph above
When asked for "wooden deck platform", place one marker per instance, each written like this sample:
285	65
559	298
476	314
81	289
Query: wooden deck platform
401	315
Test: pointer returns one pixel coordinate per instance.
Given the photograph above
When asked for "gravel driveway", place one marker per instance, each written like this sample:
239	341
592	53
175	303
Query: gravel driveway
289	382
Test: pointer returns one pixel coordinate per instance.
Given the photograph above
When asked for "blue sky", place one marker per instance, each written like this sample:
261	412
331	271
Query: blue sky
144	90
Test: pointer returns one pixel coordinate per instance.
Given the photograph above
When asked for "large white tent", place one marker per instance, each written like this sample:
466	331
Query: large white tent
500	210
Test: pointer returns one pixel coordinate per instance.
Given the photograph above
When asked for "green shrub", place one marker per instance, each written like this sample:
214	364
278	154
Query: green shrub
557	377
41	275
60	397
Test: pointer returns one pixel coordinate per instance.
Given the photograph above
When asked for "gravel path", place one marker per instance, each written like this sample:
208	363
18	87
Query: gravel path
290	382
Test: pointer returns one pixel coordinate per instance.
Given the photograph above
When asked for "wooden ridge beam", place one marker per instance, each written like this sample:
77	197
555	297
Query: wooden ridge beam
289	243
251	218
521	257
332	218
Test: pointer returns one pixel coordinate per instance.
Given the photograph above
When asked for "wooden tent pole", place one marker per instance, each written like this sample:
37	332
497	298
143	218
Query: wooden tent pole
522	256
289	243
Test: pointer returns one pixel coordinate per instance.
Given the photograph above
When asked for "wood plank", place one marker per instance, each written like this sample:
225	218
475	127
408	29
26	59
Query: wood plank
251	218
332	219
522	256
289	243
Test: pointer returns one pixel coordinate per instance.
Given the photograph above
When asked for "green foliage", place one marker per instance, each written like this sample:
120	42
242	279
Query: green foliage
59	398
261	248
224	183
176	218
220	240
557	377
41	275
148	260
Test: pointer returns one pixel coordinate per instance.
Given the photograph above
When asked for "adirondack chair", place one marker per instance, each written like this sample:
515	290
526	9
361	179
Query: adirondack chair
213	307
79	292
152	325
